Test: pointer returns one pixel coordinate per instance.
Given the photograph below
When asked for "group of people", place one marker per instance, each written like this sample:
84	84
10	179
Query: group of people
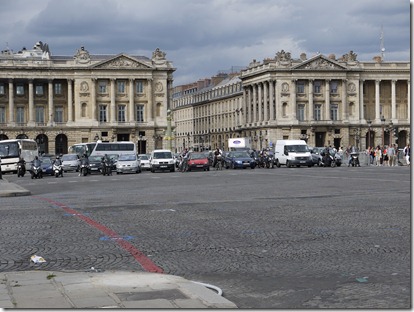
388	155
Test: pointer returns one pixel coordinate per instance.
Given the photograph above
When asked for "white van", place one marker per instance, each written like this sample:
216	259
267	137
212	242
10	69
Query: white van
162	160
292	153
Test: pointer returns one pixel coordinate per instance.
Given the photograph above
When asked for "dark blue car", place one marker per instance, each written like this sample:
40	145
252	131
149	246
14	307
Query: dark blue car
239	159
47	165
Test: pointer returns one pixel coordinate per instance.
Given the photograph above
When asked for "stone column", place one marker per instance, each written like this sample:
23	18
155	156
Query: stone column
327	101
243	121
271	100
131	100
254	106
265	100
112	109
393	102
249	119
11	102
70	101
361	100
93	99
31	103
345	112
150	111
50	102
377	101
310	101
408	99
293	101
259	101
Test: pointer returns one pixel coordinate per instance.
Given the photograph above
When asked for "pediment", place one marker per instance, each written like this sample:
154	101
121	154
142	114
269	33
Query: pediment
122	61
320	63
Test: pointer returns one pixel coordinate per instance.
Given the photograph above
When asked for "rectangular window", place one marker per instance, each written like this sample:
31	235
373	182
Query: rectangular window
121	113
20	114
121	86
139	115
58	114
58	88
317	112
317	87
102	113
334	112
40	114
102	87
301	112
300	87
334	87
20	89
2	114
39	90
139	87
2	89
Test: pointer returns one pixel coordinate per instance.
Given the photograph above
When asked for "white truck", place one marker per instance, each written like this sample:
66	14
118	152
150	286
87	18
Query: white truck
292	153
240	143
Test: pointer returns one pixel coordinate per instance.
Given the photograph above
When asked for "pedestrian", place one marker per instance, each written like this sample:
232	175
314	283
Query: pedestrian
378	156
385	157
407	153
391	155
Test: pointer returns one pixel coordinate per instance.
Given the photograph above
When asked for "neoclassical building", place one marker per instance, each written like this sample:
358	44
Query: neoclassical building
63	100
323	100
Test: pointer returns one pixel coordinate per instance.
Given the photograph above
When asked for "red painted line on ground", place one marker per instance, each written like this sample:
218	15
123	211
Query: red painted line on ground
143	260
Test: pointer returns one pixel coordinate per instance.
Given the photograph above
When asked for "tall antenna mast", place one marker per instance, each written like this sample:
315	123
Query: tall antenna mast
382	44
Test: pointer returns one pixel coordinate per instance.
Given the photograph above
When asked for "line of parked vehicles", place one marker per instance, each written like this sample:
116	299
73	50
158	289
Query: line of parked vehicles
287	152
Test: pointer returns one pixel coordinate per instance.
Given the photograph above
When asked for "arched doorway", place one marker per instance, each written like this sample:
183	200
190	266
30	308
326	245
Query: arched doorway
22	136
61	144
43	144
402	139
3	137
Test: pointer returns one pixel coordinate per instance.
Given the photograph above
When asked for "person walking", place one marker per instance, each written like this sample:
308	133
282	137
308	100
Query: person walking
407	153
391	155
378	155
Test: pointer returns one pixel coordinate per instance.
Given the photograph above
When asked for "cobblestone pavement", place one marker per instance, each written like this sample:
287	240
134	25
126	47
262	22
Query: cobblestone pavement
283	238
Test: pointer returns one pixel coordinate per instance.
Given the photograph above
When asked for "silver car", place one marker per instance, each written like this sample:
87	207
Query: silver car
70	162
145	163
128	163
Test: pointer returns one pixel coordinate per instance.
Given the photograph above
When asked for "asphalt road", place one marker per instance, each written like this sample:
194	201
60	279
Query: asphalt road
301	238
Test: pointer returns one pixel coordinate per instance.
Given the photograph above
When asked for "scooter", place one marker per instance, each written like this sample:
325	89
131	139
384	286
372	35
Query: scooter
355	160
84	169
106	167
21	170
58	170
36	172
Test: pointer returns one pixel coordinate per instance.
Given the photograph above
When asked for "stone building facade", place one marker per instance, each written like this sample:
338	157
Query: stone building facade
63	100
323	100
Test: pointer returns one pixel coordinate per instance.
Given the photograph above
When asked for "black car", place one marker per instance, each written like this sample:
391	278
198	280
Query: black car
95	163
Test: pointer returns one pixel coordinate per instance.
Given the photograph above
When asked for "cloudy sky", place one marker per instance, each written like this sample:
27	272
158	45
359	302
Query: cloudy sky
203	37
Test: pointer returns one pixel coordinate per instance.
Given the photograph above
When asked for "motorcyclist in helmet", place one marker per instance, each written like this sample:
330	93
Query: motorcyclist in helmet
36	162
58	161
84	161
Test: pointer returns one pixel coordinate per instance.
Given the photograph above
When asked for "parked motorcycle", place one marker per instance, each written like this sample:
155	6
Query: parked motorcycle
58	170
36	171
21	169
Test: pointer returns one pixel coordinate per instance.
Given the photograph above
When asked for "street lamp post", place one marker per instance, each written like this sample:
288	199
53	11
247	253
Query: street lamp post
140	144
188	140
168	133
382	127
369	133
